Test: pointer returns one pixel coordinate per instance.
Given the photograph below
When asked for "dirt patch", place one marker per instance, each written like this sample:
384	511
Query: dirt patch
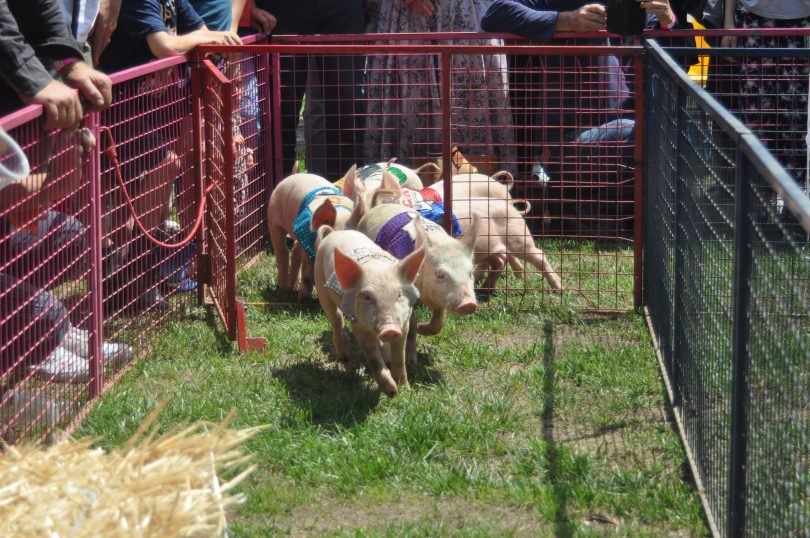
624	442
506	336
329	515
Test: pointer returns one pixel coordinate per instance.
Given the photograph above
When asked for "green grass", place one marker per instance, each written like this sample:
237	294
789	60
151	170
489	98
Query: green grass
521	422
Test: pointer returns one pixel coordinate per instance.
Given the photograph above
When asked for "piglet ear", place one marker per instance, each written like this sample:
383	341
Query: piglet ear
471	236
390	182
409	267
357	214
347	270
348	182
325	214
421	236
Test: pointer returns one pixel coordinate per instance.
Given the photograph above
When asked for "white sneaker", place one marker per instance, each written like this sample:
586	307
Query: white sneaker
76	341
539	174
63	366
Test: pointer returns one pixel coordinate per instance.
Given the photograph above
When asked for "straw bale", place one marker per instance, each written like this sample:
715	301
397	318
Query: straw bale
167	485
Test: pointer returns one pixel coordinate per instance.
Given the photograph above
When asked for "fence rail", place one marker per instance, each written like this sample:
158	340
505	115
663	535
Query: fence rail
727	293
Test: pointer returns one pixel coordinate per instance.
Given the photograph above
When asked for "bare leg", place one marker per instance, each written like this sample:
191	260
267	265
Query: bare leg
375	363
434	326
410	344
538	258
340	338
398	369
278	236
295	266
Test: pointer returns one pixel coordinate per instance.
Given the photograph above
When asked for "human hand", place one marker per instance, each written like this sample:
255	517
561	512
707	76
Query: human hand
262	20
223	38
105	24
661	9
421	7
588	18
93	85
61	104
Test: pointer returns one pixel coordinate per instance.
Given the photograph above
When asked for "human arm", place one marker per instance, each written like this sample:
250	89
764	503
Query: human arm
728	24
659	13
164	45
28	39
262	20
237	8
104	26
588	18
534	19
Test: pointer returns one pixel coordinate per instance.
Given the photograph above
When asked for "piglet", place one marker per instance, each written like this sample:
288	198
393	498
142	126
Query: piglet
358	280
481	185
503	237
446	280
301	203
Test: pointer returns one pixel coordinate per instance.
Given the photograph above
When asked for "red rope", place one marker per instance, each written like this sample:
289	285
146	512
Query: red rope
112	154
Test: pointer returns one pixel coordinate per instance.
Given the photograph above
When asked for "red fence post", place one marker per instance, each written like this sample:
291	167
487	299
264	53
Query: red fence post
276	114
95	328
230	220
199	177
446	138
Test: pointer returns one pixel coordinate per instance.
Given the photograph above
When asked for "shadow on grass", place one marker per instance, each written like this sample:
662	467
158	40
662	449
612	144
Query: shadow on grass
563	526
330	395
423	372
224	345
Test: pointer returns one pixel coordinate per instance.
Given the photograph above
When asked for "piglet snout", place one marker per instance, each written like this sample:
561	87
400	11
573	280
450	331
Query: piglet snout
467	308
389	333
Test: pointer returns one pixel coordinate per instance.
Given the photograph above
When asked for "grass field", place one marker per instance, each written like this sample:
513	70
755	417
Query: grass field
522	422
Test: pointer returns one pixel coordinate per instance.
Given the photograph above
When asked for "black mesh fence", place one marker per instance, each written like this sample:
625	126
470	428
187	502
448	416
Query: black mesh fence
727	292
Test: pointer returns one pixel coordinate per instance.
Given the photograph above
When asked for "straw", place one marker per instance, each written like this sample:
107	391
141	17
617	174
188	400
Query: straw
167	485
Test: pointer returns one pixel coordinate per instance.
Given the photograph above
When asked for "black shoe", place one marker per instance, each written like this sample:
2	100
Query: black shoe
153	301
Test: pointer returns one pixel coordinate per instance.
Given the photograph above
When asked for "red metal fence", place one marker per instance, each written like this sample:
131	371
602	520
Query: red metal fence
559	119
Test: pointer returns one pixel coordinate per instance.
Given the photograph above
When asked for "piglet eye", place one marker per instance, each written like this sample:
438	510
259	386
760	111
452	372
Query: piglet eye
441	275
366	296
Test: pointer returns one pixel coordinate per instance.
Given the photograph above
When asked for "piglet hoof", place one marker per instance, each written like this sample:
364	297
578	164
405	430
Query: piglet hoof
426	329
386	383
554	281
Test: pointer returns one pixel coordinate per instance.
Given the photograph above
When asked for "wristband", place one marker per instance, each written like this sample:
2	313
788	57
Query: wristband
672	23
58	65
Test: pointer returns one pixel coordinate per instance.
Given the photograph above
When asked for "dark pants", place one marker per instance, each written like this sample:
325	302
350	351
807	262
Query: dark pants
340	81
32	323
54	254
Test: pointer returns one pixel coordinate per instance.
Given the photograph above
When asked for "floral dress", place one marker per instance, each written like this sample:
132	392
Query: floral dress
773	90
404	112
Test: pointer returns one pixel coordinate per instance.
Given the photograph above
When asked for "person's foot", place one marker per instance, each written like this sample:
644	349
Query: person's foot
77	341
63	366
154	301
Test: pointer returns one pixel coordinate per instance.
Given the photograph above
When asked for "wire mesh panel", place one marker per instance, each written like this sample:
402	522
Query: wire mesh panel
148	158
725	280
249	75
776	349
47	335
559	122
220	156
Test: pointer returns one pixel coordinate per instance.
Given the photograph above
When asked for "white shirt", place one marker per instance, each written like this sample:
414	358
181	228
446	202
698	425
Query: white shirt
87	11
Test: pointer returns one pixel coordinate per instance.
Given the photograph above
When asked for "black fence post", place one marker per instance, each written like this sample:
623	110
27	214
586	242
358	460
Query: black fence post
743	262
678	262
